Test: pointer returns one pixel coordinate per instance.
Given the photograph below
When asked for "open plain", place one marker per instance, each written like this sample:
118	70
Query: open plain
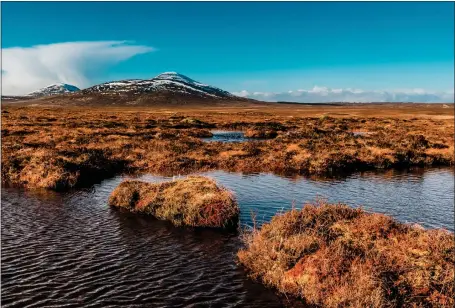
58	148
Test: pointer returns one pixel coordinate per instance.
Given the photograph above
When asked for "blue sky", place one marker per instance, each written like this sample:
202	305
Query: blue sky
255	46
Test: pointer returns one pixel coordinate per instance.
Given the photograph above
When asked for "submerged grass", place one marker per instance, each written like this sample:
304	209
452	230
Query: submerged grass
60	148
194	201
336	256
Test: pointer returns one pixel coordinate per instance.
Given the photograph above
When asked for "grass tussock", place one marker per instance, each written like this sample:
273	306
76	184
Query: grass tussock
48	168
194	201
61	148
260	133
336	256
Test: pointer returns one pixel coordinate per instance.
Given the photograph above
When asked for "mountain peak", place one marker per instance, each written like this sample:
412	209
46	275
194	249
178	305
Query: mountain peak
167	82
168	73
56	88
174	76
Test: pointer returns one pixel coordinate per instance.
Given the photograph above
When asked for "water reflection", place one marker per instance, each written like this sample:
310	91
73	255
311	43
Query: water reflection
71	249
419	196
226	136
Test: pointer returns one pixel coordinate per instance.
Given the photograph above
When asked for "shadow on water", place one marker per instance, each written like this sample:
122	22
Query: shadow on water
71	249
190	265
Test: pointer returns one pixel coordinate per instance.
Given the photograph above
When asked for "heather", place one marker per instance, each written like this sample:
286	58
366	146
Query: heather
331	255
60	148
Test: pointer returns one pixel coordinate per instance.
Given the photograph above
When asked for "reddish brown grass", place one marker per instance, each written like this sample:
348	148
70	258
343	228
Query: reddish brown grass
60	148
336	256
194	201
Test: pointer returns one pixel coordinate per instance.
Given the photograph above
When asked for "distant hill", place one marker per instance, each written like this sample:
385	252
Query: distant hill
51	90
54	89
168	88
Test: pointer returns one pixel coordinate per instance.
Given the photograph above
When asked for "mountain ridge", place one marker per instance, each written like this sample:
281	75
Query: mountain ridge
166	89
168	82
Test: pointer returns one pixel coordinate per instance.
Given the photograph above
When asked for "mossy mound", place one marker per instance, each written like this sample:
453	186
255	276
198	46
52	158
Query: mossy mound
337	256
194	201
261	133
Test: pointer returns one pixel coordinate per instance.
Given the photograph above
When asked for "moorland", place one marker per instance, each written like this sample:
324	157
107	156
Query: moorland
325	254
62	147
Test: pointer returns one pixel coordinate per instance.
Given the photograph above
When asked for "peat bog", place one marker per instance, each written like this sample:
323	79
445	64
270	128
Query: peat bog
60	148
376	260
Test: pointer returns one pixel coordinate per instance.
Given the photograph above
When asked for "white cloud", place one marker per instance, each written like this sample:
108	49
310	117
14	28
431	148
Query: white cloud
25	69
326	95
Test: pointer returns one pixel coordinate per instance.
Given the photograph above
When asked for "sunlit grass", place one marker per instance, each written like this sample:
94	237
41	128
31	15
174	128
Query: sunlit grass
61	148
336	256
193	201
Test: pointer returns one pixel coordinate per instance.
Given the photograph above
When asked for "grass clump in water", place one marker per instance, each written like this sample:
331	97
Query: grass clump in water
337	256
194	201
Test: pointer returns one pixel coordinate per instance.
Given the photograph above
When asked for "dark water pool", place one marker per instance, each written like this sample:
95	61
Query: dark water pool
72	250
226	136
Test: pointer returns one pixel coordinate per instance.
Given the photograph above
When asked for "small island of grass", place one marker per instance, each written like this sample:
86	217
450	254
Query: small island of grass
193	201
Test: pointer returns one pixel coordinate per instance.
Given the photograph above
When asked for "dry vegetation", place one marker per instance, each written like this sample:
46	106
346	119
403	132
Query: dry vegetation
58	148
195	201
327	255
336	256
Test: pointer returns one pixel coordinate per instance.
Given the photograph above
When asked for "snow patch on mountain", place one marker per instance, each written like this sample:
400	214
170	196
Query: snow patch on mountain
54	89
167	82
174	76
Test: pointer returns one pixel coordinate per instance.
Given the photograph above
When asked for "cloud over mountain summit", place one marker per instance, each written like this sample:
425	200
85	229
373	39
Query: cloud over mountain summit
25	69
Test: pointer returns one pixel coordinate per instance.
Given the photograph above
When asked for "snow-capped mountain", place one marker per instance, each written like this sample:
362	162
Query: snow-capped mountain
54	89
169	82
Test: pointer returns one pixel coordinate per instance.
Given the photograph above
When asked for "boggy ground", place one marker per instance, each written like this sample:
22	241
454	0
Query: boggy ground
336	256
58	148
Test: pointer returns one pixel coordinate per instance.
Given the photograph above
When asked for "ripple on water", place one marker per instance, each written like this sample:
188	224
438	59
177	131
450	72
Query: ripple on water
71	249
